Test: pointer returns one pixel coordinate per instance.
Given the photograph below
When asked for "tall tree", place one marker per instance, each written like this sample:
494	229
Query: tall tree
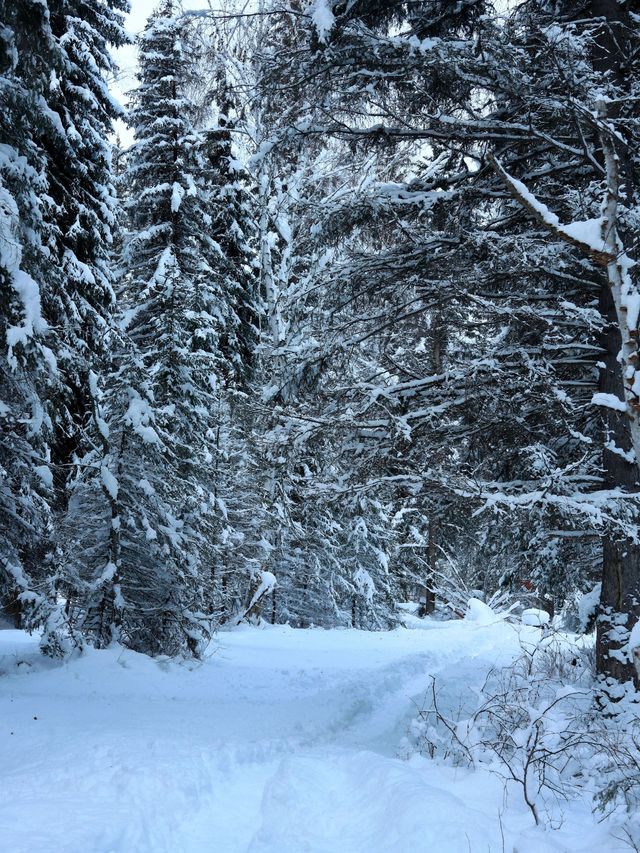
56	168
154	570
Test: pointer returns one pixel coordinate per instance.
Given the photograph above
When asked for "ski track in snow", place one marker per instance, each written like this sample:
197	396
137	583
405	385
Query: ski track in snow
282	741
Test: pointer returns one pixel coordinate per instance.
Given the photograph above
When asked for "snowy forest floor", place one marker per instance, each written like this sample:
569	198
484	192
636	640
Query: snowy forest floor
281	741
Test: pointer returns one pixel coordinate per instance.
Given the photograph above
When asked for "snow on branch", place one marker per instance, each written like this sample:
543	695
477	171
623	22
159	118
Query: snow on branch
609	401
586	235
600	239
323	19
266	584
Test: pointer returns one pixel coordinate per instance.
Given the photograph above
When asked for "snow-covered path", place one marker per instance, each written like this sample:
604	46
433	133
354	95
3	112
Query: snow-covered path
283	741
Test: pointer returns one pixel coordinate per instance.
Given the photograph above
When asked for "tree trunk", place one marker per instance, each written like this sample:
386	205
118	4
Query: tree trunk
11	607
438	349
429	589
619	601
619	605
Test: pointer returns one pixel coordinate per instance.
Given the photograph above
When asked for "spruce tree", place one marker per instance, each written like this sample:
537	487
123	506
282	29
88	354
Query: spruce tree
59	208
153	566
24	511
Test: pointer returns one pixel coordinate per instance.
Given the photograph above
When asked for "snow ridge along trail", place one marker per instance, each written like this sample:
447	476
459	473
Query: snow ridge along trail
282	741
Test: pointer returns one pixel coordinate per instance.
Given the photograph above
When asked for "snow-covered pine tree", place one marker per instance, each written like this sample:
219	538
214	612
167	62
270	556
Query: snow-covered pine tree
82	211
56	166
230	201
79	207
327	548
141	567
567	158
152	568
26	361
232	208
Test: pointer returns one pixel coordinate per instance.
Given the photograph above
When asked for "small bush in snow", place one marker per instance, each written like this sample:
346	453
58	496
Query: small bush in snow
529	725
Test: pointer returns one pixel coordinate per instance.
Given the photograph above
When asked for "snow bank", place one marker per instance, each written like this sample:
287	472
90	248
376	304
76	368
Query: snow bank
634	637
364	802
478	611
609	401
280	740
534	617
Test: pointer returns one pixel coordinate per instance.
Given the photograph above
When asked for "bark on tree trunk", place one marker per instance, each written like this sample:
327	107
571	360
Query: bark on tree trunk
11	607
619	605
429	589
619	601
438	349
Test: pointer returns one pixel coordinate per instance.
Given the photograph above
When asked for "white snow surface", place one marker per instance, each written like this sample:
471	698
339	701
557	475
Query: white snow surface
634	637
268	583
609	401
587	606
587	232
535	617
177	194
109	482
478	611
280	741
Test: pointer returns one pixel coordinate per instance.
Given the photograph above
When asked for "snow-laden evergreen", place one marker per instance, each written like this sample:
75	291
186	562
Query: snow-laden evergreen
58	210
153	552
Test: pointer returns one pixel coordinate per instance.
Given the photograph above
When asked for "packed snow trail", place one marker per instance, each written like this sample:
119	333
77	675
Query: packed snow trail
282	741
